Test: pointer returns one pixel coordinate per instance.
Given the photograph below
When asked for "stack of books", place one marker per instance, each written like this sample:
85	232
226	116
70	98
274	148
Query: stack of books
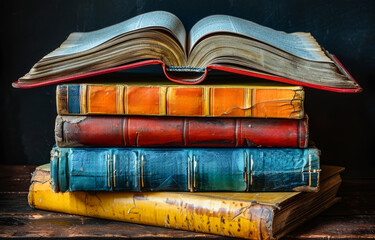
229	156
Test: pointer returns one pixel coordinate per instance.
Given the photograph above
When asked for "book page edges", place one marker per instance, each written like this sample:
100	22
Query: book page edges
33	84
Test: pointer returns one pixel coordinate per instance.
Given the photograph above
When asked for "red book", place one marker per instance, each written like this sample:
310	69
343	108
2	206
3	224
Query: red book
134	131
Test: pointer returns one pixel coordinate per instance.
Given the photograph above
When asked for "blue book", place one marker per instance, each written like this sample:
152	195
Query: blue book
185	169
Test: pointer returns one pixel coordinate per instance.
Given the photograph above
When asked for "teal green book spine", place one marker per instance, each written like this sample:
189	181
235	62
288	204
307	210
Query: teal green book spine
185	169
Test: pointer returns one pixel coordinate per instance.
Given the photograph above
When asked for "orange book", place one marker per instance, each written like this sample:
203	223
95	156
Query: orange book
263	100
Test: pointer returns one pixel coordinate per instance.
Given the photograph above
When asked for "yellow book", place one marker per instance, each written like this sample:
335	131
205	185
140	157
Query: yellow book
262	215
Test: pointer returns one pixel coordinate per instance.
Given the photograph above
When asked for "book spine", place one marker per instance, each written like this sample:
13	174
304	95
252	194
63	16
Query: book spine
137	131
86	99
187	169
242	219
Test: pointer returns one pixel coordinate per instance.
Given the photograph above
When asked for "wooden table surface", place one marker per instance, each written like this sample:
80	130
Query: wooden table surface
352	218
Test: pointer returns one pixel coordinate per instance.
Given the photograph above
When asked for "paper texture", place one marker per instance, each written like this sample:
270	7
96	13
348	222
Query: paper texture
79	42
302	45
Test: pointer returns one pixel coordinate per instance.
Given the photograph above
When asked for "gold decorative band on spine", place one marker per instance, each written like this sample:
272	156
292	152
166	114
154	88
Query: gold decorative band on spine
62	99
141	176
253	101
206	101
247	101
212	101
108	172
248	174
119	99
189	186
136	170
114	170
163	100
88	96
83	99
125	100
67	99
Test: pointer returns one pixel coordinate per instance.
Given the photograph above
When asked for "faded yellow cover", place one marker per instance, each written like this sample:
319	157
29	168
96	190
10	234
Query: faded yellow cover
161	99
244	215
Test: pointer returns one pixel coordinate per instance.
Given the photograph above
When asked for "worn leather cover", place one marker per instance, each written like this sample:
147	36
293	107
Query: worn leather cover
138	131
185	169
171	76
242	215
242	100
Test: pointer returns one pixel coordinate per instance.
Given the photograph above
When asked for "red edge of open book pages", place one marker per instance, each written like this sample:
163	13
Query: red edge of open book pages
208	68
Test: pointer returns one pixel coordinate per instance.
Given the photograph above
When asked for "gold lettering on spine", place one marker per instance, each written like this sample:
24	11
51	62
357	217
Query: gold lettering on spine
83	98
164	100
206	101
119	99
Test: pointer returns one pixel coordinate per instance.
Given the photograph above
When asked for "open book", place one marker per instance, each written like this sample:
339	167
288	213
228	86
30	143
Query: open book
216	42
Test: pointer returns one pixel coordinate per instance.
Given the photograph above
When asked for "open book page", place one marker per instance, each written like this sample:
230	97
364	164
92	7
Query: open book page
302	45
79	42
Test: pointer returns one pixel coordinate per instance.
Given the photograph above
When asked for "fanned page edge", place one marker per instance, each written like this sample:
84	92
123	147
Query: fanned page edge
151	20
251	30
18	84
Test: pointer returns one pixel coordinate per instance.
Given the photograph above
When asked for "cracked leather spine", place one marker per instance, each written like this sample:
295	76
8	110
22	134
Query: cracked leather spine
185	169
257	100
142	131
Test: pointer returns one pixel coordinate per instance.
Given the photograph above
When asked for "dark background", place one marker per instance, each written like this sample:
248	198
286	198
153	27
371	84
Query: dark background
341	125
